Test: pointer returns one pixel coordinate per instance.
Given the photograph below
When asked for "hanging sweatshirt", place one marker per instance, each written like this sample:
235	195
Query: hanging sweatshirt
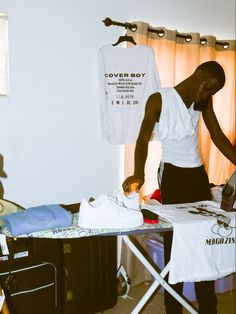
177	130
127	77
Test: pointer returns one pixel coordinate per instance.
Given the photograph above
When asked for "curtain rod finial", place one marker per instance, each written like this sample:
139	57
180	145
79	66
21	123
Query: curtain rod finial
107	21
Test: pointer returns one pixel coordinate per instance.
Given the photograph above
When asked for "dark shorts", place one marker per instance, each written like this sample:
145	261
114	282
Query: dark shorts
183	185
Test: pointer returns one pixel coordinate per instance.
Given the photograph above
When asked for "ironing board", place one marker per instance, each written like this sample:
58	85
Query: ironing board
75	231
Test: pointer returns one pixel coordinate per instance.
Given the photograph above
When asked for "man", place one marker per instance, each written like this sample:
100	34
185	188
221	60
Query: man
174	112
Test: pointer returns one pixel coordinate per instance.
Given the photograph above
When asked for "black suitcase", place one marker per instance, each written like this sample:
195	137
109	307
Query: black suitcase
91	274
32	276
32	289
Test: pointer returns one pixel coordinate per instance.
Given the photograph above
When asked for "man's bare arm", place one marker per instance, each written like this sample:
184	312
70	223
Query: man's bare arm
152	114
217	135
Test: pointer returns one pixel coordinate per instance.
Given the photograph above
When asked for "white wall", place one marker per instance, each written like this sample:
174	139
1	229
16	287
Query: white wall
49	124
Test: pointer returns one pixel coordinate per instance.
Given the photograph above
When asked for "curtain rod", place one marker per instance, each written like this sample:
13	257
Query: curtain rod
161	32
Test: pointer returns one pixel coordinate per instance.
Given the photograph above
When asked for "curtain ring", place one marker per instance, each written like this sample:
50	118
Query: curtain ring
132	27
188	38
203	41
225	45
161	33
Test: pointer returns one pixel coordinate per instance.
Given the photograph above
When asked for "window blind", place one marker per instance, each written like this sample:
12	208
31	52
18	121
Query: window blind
3	54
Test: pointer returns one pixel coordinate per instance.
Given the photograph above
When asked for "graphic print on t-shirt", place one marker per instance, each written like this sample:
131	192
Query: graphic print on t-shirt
222	227
124	88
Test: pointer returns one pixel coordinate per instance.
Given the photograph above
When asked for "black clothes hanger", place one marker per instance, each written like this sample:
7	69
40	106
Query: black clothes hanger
125	38
128	38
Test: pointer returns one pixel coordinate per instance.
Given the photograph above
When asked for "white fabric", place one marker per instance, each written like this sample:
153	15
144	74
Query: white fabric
177	130
127	77
203	248
2	298
109	211
216	193
130	201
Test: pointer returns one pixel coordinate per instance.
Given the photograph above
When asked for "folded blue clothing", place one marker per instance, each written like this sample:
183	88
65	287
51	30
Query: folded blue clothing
37	218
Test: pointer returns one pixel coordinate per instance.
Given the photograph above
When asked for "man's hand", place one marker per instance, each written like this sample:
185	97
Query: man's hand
132	184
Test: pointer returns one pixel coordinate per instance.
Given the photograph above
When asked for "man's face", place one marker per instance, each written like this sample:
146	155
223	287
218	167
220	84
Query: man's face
208	87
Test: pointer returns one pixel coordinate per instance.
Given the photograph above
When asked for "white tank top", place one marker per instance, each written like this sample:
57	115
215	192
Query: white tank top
177	130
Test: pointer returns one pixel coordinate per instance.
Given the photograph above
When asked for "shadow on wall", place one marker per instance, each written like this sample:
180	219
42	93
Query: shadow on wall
2	175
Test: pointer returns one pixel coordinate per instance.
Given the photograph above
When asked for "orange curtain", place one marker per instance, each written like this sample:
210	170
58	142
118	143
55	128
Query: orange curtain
177	56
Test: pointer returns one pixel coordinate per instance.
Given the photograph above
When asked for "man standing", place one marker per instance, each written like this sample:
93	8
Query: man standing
174	112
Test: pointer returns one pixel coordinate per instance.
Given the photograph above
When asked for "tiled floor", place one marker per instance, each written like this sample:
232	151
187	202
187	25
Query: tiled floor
226	302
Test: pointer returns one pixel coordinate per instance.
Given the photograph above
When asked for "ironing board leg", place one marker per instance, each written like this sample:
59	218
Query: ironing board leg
119	250
158	281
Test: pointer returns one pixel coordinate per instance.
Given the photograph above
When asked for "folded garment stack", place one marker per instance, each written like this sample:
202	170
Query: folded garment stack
37	218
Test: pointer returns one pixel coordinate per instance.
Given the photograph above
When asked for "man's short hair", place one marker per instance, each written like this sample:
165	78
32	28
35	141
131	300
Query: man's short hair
214	69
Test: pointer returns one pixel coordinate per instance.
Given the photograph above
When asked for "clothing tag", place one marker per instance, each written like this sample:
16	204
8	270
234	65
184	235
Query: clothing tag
2	299
3	244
